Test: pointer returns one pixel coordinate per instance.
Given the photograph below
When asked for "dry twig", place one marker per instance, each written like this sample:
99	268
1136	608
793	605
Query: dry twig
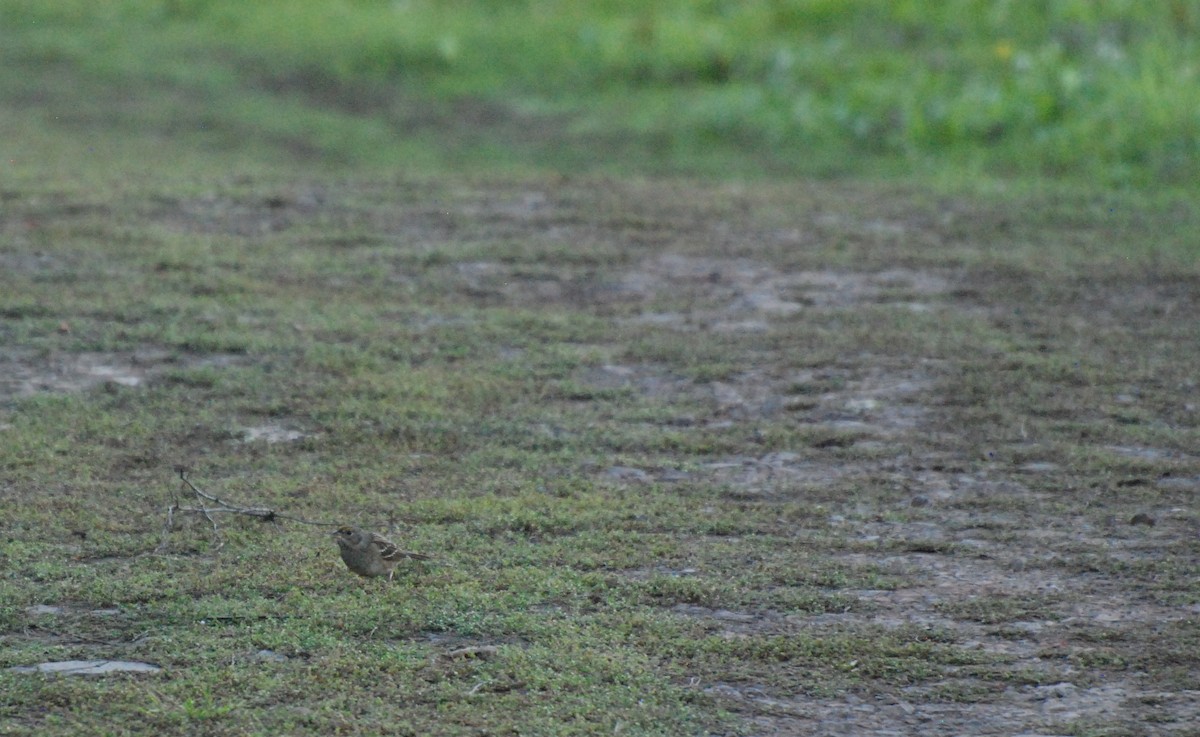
208	505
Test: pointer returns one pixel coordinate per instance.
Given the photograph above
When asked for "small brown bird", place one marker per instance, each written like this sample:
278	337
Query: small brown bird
368	554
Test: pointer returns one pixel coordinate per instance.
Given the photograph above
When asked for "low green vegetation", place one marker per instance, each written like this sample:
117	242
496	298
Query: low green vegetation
953	92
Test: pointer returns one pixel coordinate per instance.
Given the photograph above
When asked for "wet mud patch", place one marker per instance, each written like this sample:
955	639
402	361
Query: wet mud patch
780	476
732	295
1056	708
695	293
243	216
1034	646
25	372
872	401
873	411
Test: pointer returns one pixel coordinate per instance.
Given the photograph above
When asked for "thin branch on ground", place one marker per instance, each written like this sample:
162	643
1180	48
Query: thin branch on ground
209	505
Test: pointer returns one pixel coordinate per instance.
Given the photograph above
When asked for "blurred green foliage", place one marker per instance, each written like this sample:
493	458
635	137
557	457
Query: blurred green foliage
1103	92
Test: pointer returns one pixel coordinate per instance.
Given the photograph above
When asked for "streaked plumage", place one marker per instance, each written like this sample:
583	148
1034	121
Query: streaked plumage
369	554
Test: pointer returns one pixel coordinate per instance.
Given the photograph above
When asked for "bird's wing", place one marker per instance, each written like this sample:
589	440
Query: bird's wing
388	550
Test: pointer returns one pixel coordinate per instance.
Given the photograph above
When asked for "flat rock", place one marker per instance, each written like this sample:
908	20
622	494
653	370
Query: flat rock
38	610
88	667
625	473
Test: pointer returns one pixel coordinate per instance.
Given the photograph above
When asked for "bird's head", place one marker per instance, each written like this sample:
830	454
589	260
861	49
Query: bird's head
345	535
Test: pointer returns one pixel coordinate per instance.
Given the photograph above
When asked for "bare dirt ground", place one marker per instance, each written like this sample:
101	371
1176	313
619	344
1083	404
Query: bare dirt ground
999	561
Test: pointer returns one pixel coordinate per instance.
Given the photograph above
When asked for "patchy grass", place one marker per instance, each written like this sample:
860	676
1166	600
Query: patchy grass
694	458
